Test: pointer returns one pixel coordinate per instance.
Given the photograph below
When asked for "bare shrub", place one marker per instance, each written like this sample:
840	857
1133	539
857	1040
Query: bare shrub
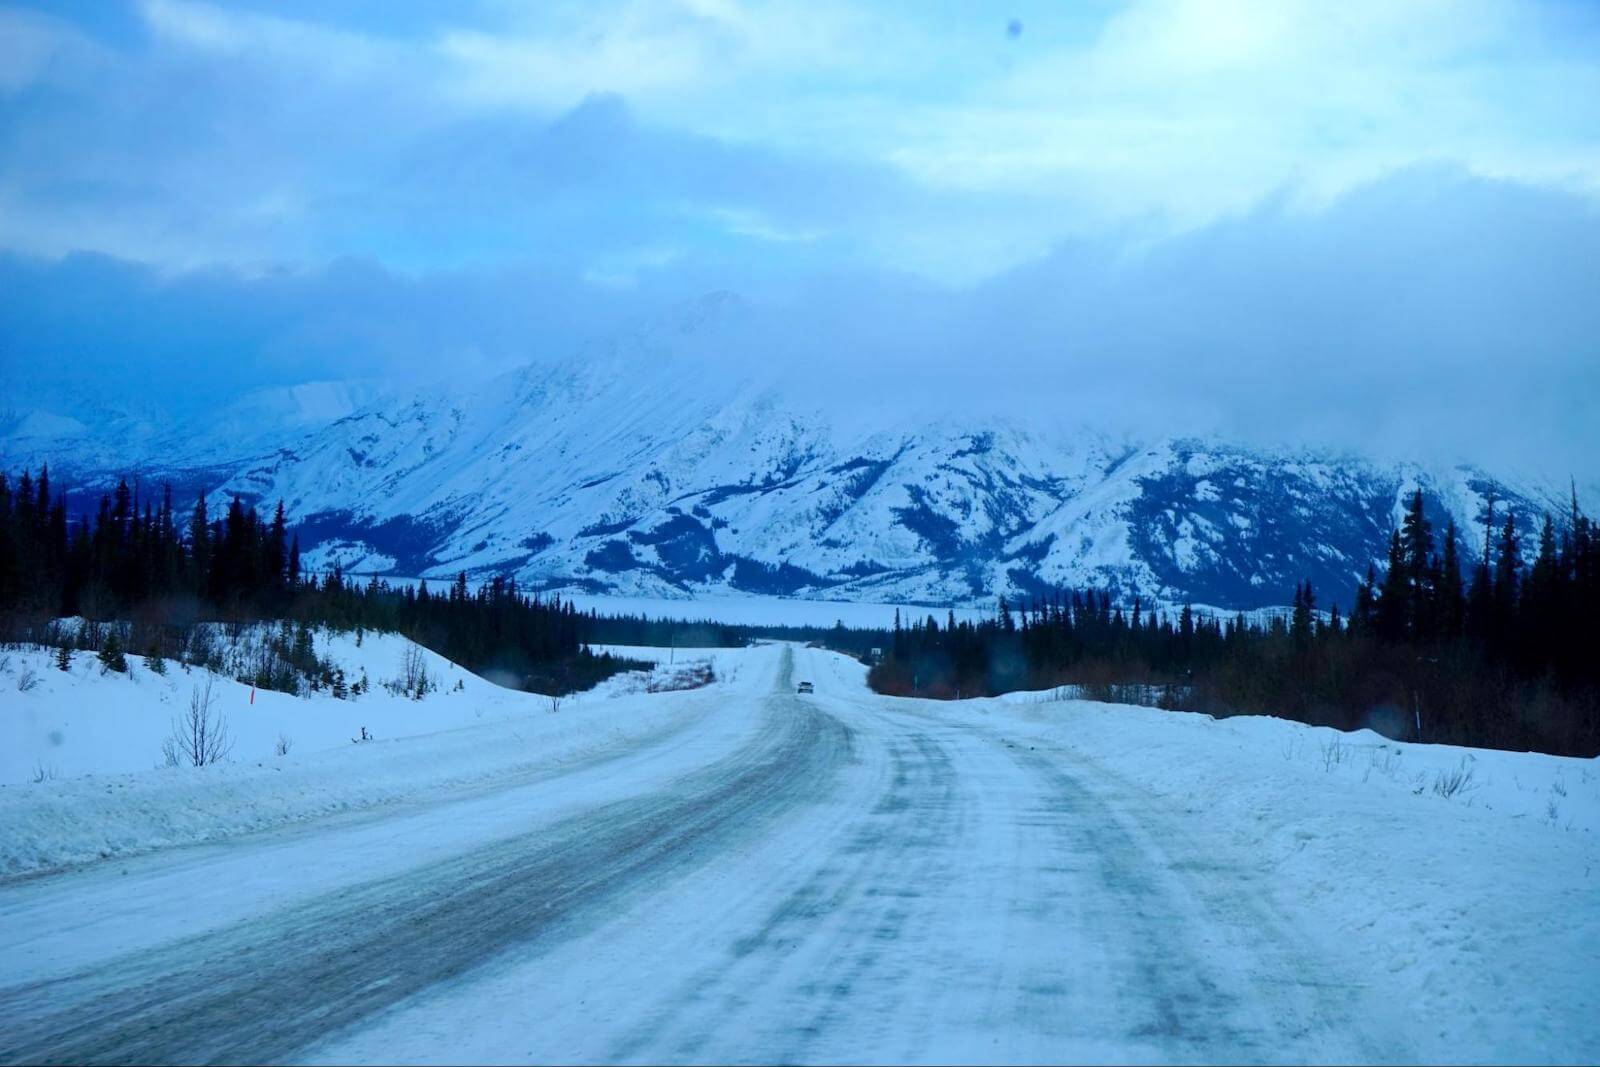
1333	752
28	680
413	681
42	773
282	746
1458	781
1384	760
555	703
200	736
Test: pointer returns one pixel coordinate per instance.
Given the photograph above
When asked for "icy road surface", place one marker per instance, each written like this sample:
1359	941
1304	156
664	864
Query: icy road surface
835	877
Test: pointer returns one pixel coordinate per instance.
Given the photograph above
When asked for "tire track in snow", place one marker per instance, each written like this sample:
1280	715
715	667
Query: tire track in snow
1304	1007
828	942
1215	972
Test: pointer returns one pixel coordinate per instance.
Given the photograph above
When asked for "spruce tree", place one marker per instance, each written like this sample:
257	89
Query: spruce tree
1363	617
1451	598
1300	617
277	550
1416	539
1394	601
1507	577
111	657
200	546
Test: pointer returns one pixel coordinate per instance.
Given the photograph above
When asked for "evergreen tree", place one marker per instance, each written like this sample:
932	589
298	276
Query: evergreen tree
200	544
1507	580
1363	617
1452	599
111	656
1393	611
277	550
1300	619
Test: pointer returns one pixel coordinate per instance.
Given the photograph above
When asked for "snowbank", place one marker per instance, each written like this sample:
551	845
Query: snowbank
82	766
88	721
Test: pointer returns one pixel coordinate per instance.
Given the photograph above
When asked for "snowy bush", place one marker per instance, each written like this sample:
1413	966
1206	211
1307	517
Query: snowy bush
693	676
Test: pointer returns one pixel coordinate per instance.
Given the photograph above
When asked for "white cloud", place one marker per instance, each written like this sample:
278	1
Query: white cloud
920	138
753	224
290	43
1190	110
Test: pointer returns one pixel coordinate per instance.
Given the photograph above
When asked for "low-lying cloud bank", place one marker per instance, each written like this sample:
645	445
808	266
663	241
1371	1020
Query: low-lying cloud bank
1432	313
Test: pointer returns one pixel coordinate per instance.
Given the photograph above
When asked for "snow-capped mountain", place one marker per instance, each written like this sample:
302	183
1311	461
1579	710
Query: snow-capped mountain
634	468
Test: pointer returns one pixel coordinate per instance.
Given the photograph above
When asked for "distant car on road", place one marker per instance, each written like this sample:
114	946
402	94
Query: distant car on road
805	687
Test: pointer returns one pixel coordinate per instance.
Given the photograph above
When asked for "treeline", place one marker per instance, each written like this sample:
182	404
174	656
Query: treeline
162	573
707	633
1506	657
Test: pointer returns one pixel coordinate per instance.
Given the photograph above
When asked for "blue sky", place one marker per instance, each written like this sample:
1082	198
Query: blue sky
840	161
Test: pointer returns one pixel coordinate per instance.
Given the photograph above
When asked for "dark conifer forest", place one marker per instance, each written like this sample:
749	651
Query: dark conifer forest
1506	657
140	561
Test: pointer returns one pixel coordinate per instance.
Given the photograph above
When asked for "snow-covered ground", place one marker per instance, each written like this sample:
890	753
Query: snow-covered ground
736	872
82	772
88	721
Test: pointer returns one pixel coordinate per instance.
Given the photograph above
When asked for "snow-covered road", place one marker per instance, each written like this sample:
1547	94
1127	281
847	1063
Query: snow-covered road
780	878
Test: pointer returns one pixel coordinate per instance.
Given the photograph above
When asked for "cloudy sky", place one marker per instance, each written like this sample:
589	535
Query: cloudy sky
1374	221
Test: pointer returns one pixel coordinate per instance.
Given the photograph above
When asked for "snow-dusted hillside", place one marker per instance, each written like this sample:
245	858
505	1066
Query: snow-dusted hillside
635	470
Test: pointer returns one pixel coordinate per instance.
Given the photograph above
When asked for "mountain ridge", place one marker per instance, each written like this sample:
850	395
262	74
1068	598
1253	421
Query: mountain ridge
643	467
